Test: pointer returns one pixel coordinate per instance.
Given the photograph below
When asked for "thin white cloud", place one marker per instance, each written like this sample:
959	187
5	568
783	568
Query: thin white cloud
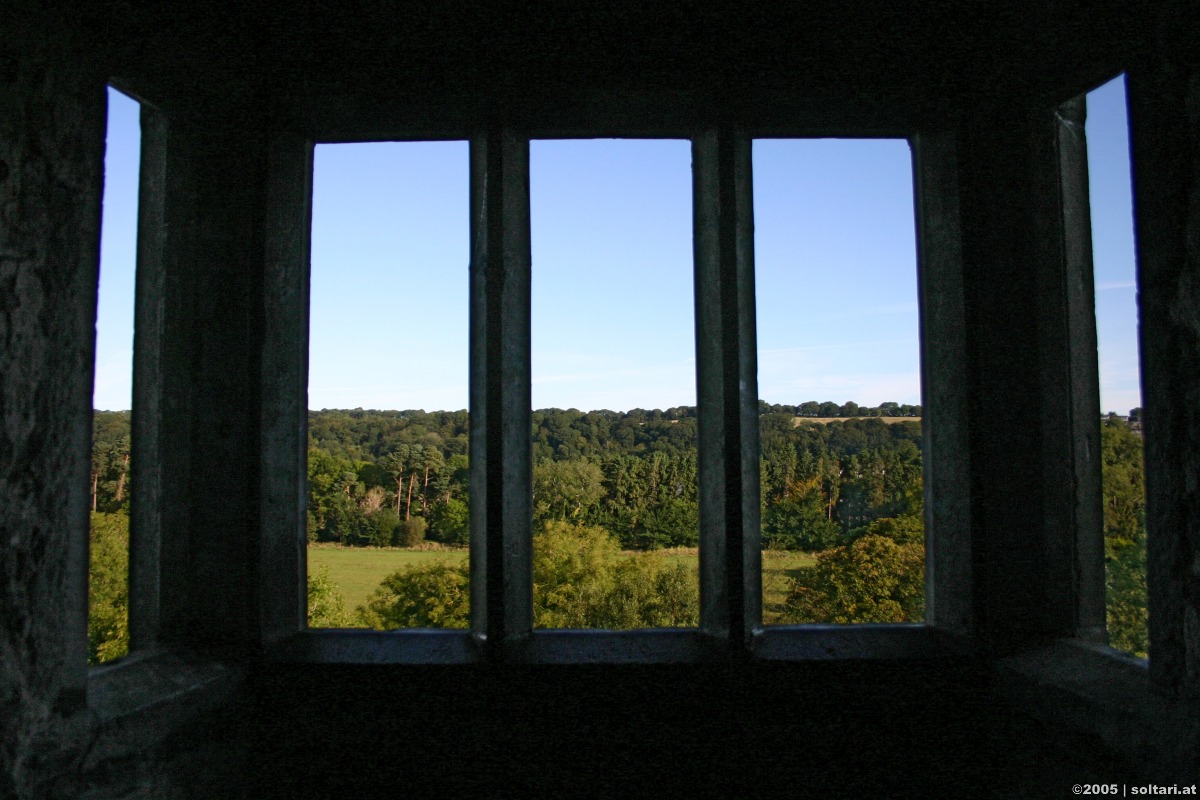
819	348
1105	286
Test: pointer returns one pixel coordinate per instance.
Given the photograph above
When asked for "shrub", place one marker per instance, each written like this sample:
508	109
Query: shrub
1126	608
326	608
411	532
108	587
582	580
874	579
450	522
571	574
383	525
420	596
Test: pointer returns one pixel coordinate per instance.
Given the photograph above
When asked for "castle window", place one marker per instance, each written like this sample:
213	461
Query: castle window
616	511
387	514
111	474
1121	451
839	378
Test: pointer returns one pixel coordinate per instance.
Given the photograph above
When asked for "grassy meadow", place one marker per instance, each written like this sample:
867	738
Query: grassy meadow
358	570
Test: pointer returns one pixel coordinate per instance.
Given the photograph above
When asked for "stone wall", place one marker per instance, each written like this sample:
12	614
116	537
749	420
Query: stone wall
51	151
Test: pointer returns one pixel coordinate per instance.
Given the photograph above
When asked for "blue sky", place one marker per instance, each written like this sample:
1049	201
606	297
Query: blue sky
613	315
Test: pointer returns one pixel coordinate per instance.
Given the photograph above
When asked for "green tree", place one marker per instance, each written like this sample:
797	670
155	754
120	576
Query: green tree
1123	483
396	464
432	462
326	608
675	522
582	580
108	587
450	521
873	579
420	596
799	524
110	460
566	490
906	529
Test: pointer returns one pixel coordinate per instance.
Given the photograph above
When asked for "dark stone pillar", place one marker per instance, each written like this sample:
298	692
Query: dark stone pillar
212	263
52	106
727	376
148	506
284	471
1164	105
946	422
501	458
1031	384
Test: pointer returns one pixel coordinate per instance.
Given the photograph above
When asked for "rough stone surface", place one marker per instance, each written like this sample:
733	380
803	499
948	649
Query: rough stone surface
1164	100
228	80
51	146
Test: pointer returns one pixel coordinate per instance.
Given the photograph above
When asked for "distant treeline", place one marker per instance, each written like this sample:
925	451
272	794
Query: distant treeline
851	409
396	477
399	477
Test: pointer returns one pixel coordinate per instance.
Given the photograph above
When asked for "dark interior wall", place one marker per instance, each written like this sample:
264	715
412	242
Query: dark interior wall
51	151
1164	106
920	729
224	81
212	259
1033	398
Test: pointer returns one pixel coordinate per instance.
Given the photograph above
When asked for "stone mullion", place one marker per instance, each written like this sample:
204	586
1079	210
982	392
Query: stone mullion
730	587
501	460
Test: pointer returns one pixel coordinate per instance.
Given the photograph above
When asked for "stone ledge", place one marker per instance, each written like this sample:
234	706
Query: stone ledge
1092	693
138	702
870	642
144	680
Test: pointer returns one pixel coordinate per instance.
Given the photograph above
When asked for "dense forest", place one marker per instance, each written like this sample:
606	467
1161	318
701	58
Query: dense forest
397	477
840	481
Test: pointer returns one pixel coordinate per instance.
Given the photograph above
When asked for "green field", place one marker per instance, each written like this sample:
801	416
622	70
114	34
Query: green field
778	567
358	570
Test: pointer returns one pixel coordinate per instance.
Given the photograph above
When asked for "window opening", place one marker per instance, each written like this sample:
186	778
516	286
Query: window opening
1120	369
842	490
112	391
387	522
616	518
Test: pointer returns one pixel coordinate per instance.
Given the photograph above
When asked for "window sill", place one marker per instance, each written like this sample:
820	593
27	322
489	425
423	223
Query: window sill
141	682
647	646
364	646
868	642
137	702
1106	696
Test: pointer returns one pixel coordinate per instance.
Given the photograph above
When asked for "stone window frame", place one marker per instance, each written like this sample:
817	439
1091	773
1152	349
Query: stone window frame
501	627
501	622
1058	671
1047	652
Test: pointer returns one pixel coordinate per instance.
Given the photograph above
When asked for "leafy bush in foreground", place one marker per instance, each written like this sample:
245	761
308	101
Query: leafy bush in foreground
108	587
420	596
326	608
873	579
581	579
